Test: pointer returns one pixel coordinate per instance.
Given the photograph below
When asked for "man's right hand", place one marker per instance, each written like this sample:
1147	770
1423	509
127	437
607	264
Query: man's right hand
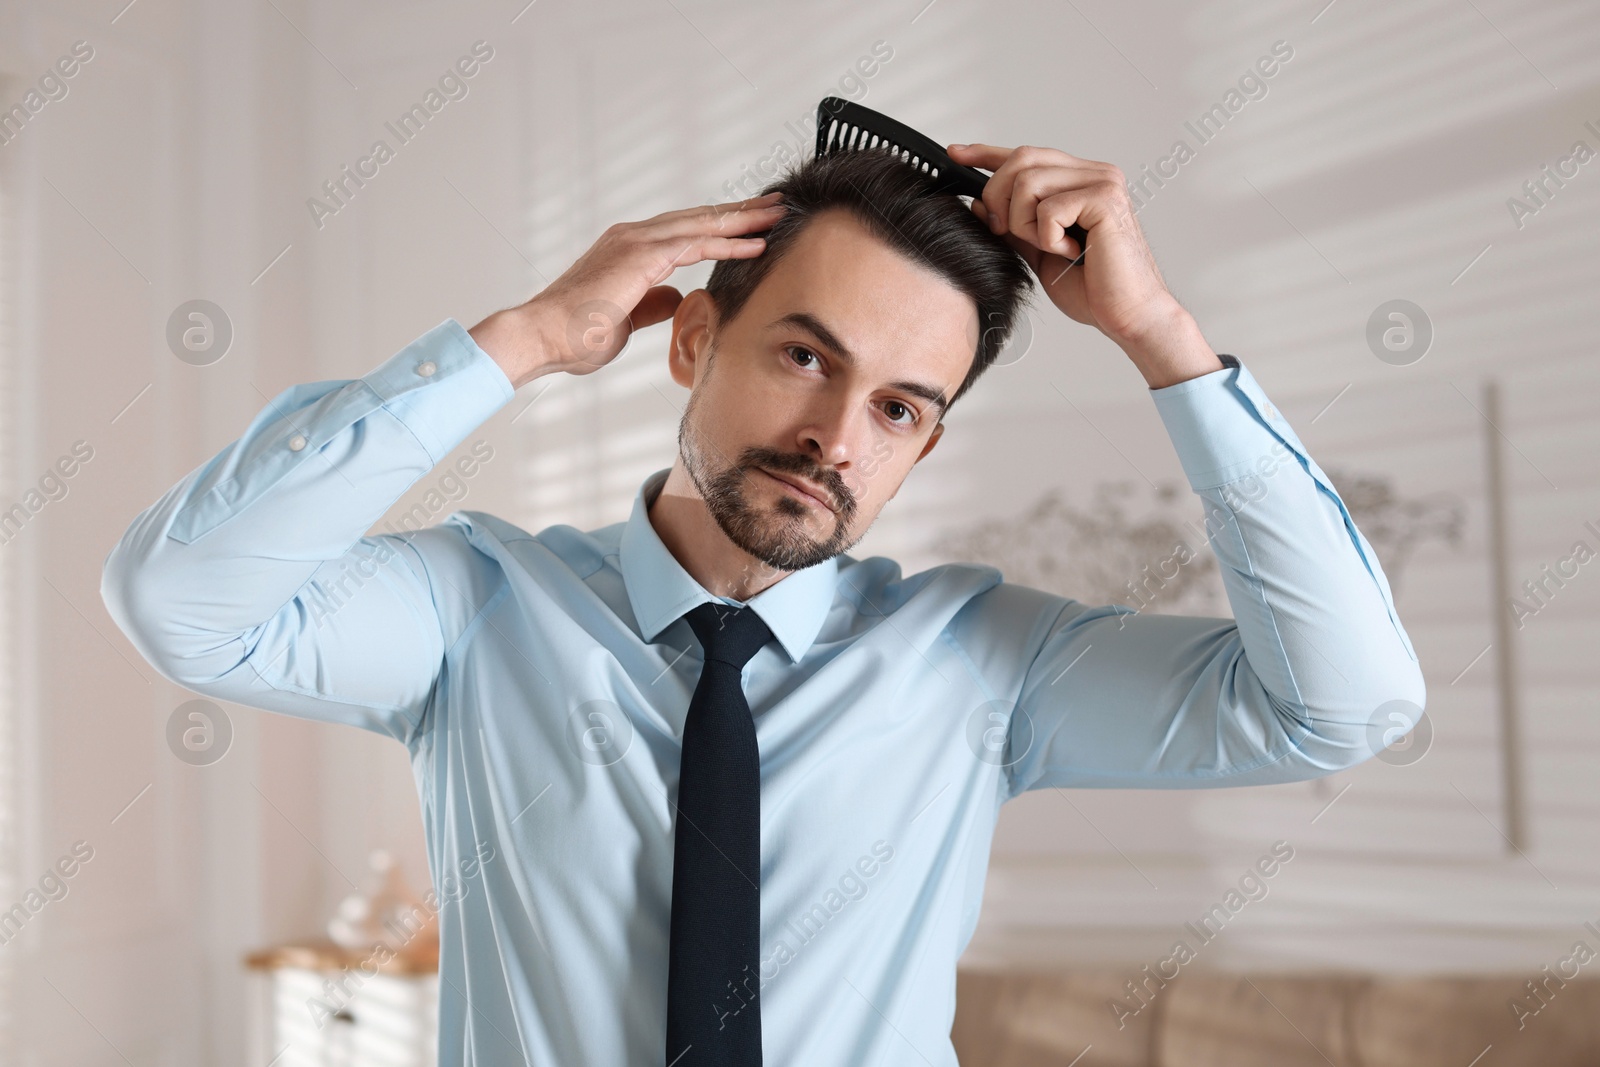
584	318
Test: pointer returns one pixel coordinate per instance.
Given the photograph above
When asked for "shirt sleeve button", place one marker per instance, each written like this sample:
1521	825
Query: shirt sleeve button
297	442
427	367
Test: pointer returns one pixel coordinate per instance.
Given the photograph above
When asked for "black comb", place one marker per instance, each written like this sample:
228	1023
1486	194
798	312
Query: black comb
843	126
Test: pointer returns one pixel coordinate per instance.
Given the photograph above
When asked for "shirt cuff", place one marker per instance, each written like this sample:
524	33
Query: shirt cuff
1223	426
442	386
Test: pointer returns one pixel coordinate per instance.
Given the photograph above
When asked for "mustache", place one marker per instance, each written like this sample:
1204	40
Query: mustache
803	467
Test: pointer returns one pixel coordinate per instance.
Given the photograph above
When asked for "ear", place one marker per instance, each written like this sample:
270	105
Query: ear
933	439
692	329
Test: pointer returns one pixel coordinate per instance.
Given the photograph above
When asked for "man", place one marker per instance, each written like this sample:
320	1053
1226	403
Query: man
740	784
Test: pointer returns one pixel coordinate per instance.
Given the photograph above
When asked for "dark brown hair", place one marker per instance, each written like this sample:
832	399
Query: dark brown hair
895	203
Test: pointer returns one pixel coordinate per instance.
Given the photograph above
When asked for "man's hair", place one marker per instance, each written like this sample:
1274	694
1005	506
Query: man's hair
895	203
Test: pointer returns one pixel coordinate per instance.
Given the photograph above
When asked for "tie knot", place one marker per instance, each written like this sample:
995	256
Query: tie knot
728	634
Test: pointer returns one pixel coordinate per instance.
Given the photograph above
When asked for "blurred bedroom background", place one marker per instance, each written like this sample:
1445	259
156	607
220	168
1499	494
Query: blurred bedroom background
1394	229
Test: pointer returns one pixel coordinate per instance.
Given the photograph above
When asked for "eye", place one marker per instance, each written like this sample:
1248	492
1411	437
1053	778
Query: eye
911	421
797	348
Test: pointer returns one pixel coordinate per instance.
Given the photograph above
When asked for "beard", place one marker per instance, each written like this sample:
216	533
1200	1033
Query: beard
776	535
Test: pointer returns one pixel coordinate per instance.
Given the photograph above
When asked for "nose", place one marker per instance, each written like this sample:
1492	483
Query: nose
835	434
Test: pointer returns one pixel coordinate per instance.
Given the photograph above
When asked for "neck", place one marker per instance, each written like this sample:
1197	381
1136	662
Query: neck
684	524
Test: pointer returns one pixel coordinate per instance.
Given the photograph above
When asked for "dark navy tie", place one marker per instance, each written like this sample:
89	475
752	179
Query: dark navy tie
714	963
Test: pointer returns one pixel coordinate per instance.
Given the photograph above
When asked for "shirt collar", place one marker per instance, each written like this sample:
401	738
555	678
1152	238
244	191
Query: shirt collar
661	591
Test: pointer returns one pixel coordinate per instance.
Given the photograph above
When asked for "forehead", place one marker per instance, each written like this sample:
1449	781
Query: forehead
894	314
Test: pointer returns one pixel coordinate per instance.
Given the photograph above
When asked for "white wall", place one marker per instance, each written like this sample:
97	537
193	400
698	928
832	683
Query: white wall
1377	166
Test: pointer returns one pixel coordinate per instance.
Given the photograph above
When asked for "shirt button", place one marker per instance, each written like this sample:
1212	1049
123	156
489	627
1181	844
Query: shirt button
297	442
427	367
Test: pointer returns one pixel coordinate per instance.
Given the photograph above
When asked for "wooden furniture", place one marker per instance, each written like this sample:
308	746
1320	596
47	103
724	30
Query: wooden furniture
321	1005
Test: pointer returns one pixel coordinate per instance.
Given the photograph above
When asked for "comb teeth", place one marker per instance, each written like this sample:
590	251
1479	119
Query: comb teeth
846	137
846	127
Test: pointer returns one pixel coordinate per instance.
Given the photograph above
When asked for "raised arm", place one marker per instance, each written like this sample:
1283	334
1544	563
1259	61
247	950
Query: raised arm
1300	683
1315	651
251	580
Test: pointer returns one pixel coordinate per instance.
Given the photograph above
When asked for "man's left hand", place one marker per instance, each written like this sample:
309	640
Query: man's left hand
1033	195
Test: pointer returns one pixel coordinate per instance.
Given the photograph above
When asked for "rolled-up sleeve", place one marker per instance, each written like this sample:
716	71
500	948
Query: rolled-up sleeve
251	580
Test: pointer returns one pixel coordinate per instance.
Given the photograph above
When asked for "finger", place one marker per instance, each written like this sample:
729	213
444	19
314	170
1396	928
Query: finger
730	205
1007	199
990	156
754	201
1032	188
1013	211
1055	213
997	191
706	222
657	305
1025	186
729	247
733	208
687	251
1049	267
986	156
1026	250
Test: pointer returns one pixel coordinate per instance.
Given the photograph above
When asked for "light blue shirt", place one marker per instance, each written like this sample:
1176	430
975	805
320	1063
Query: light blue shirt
540	681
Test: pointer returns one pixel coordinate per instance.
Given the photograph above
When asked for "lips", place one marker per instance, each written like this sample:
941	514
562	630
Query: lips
820	495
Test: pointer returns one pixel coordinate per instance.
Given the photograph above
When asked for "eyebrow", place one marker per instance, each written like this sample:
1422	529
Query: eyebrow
818	329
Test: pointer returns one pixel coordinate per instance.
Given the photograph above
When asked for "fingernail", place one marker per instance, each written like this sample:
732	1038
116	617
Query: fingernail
958	146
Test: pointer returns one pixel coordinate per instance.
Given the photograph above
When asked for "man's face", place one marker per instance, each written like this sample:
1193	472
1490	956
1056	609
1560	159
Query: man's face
846	411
